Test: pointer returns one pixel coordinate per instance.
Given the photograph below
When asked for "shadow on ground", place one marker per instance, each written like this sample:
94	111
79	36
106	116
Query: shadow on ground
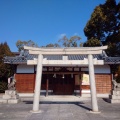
106	100
79	104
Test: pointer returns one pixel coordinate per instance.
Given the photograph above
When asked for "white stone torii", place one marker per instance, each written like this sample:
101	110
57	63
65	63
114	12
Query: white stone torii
90	51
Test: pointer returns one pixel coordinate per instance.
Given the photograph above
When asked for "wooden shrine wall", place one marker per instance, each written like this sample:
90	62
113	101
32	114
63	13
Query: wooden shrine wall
103	83
25	83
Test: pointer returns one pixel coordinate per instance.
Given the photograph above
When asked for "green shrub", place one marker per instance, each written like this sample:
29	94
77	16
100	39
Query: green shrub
3	87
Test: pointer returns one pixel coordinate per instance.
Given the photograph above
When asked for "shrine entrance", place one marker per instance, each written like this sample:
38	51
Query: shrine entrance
65	61
63	85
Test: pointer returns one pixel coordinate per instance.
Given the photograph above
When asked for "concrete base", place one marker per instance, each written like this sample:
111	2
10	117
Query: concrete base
113	101
6	97
98	95
10	97
85	95
114	97
3	101
31	95
26	94
10	92
9	101
114	92
39	111
103	95
95	112
13	101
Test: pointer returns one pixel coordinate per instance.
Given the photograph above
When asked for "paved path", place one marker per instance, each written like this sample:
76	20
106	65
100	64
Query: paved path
60	111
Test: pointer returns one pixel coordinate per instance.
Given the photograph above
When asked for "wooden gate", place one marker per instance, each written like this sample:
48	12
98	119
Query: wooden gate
63	86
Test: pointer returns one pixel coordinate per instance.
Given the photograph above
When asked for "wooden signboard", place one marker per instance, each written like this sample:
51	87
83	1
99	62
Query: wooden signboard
85	79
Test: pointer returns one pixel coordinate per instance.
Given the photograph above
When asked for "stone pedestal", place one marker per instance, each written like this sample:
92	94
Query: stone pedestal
10	96
114	97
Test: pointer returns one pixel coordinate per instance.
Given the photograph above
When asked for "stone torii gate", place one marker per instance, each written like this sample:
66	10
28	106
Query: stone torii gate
90	51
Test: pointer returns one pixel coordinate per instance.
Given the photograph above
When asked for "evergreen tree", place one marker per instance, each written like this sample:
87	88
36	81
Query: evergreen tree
104	25
6	70
92	42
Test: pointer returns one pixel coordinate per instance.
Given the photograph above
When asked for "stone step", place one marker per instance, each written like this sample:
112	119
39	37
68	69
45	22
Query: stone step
13	101
113	101
114	92
115	97
6	96
10	97
3	101
118	89
10	101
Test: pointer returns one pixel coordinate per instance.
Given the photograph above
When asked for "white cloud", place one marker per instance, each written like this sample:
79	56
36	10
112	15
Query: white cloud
61	35
76	34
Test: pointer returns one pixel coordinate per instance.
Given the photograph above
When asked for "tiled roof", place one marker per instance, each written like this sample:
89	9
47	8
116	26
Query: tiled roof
22	58
112	60
53	57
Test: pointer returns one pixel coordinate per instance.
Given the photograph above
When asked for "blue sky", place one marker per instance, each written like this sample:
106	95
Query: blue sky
43	21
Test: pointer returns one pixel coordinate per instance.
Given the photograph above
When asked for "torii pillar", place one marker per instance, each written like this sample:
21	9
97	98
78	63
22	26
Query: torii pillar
92	84
37	85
